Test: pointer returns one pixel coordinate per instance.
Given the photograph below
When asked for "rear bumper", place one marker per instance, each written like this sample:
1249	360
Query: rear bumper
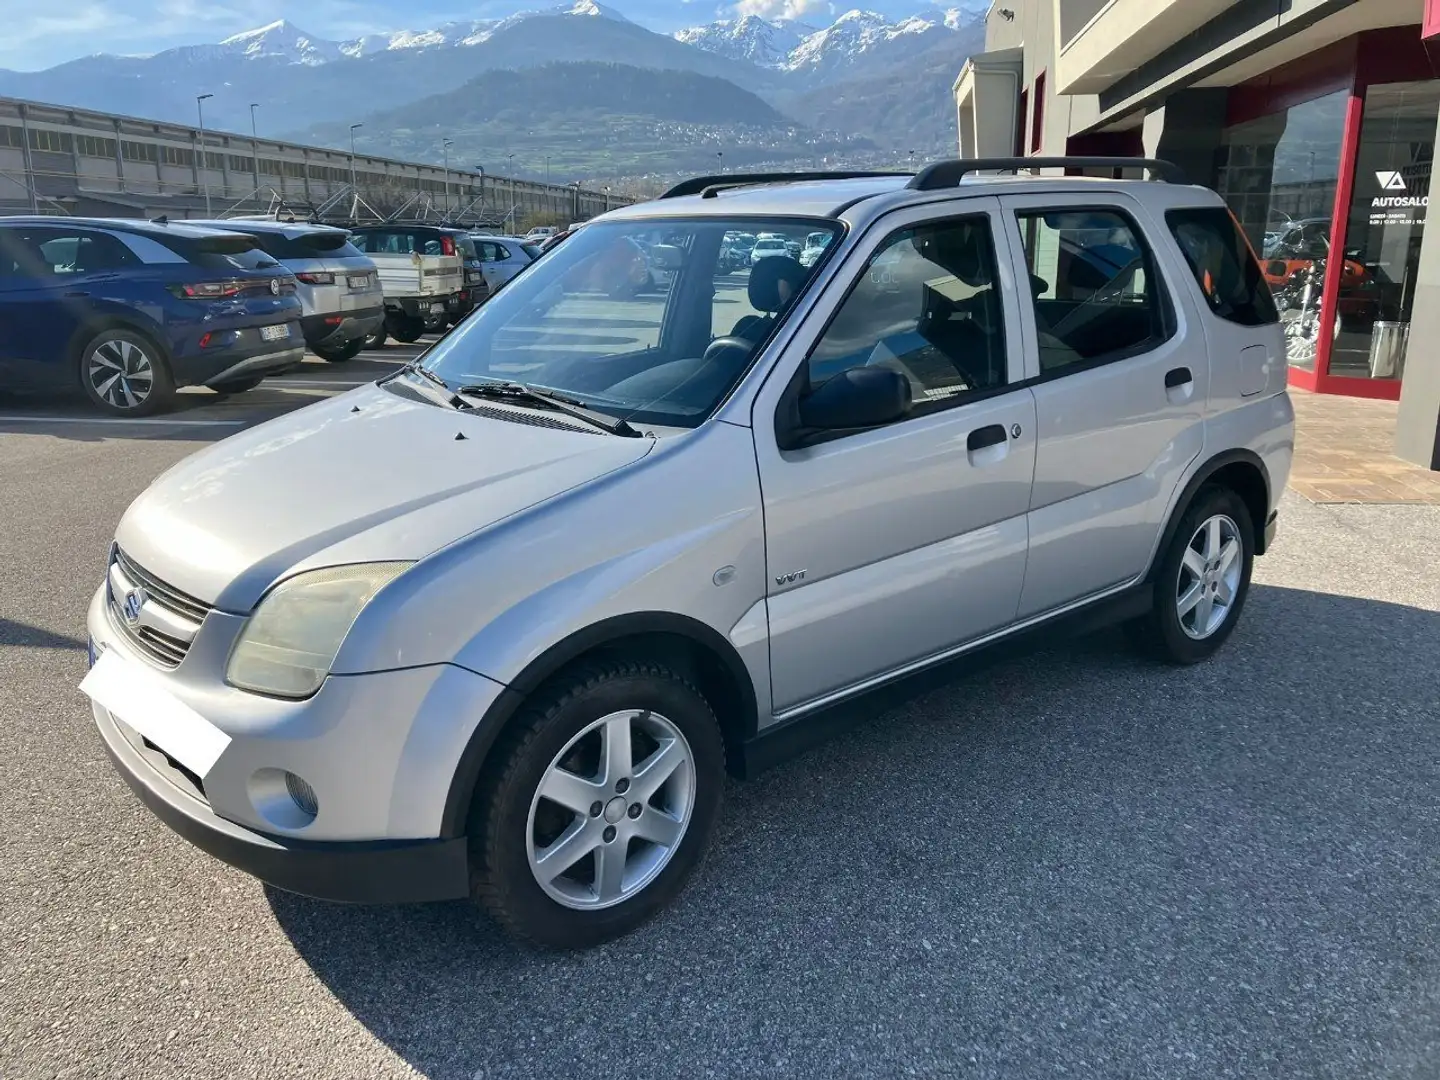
239	353
379	872
266	363
418	307
338	327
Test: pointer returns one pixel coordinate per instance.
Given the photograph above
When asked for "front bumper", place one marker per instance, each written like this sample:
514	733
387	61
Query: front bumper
338	327
382	872
379	752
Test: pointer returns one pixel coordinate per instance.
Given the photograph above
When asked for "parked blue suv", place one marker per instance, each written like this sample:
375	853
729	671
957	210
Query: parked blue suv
130	310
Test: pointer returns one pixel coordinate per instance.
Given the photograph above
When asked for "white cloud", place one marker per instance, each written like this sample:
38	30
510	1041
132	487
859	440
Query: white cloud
780	9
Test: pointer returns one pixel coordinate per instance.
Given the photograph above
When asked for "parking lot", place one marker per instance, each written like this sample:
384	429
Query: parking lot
1076	864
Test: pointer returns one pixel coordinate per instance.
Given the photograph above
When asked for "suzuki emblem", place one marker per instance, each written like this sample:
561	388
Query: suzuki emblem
134	601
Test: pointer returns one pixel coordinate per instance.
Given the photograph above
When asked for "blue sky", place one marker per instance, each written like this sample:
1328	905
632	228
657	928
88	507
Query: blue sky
39	35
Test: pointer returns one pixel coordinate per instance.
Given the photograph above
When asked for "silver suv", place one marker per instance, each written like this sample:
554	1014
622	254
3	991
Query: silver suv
338	285
497	625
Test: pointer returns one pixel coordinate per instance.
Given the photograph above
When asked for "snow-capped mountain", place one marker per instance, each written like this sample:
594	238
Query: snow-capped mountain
790	46
285	41
281	39
751	38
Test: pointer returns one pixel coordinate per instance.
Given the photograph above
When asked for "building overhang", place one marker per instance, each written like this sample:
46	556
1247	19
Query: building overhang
1124	34
987	97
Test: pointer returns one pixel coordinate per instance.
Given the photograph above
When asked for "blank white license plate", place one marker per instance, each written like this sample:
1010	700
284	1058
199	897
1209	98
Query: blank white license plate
361	282
274	333
437	309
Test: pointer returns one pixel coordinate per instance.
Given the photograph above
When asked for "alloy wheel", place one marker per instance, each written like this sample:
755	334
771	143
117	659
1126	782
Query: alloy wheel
1209	579
611	810
121	373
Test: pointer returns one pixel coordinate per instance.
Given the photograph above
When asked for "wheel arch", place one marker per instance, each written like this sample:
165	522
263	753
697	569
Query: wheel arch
96	323
1241	471
697	649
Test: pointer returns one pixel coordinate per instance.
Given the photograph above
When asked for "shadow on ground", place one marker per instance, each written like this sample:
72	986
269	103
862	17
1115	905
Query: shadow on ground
1076	863
36	637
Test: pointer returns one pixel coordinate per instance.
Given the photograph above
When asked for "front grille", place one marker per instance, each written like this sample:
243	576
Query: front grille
167	620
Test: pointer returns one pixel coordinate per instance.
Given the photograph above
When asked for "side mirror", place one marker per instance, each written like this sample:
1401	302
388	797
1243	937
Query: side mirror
859	397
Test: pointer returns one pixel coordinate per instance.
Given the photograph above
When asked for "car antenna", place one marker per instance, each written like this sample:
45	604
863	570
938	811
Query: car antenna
163	219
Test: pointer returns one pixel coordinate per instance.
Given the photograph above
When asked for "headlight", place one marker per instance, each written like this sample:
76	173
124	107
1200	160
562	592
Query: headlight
289	643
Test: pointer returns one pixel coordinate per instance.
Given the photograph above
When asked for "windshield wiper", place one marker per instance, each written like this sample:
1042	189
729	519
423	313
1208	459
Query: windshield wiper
413	368
550	400
416	368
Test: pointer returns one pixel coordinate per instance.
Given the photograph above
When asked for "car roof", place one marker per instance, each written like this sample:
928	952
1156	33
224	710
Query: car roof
132	225
861	199
288	229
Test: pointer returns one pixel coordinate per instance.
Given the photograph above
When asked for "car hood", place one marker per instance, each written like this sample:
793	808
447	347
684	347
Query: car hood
367	476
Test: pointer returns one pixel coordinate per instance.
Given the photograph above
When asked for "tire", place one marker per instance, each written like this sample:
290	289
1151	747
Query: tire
405	328
563	734
238	386
377	339
338	354
125	374
1187	573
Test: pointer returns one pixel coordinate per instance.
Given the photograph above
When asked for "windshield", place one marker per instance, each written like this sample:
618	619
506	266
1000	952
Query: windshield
632	327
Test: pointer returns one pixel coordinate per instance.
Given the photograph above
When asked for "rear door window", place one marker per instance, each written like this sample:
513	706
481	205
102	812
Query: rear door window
50	253
1224	266
1096	292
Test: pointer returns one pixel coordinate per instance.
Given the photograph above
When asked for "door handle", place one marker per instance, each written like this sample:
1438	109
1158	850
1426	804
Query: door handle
76	294
1178	377
990	435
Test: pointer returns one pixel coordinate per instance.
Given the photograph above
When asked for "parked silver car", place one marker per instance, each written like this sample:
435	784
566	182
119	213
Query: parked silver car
338	285
498	625
501	258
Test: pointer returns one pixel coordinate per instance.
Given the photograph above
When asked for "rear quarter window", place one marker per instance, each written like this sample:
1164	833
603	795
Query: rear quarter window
317	245
1224	266
222	252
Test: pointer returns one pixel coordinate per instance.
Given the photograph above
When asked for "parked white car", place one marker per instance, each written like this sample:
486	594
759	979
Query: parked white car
767	247
815	245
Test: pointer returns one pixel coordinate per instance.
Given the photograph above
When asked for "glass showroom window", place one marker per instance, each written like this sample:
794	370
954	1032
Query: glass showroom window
1279	173
1385	226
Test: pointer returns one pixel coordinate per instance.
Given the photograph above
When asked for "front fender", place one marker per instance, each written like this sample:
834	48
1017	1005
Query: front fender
652	537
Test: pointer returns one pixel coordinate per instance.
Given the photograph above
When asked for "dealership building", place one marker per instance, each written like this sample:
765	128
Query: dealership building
1314	119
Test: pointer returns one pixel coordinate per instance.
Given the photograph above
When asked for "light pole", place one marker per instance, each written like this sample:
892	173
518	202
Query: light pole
445	145
510	168
720	158
254	149
354	191
607	198
200	100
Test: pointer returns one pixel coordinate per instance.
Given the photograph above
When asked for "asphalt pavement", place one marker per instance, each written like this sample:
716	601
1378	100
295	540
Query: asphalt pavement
1075	864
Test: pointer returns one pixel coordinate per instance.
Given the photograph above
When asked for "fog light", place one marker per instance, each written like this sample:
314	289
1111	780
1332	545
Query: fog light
284	799
303	794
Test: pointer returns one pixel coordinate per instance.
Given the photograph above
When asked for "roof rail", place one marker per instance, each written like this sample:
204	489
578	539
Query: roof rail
946	174
705	185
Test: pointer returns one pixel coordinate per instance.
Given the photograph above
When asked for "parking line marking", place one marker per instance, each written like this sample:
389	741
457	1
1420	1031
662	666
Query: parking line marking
311	384
156	421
